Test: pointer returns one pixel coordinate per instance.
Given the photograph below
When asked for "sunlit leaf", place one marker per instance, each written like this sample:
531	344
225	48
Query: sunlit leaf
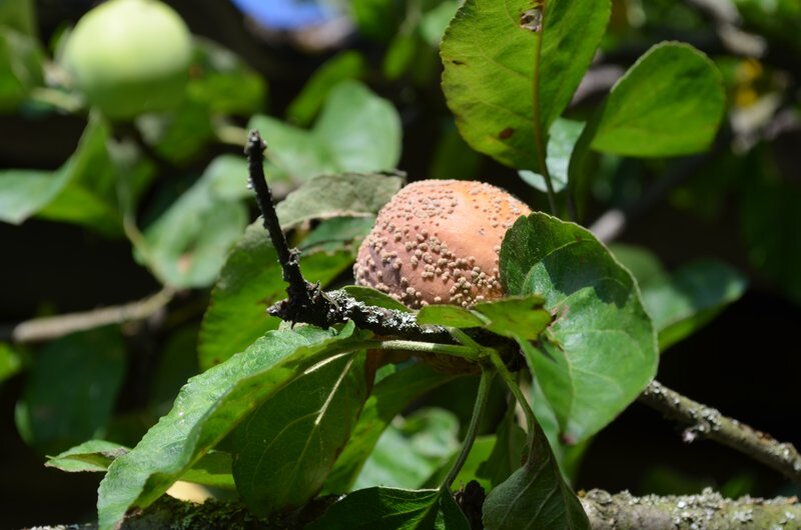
600	350
208	408
670	102
511	68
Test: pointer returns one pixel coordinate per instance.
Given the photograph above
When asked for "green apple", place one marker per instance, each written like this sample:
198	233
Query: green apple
130	57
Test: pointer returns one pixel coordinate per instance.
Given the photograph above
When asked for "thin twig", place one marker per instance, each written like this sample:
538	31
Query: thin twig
49	328
707	422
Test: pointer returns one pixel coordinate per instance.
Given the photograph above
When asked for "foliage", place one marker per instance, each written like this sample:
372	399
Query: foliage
279	415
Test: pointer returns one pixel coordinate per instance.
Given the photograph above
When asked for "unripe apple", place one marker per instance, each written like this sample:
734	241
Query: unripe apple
129	57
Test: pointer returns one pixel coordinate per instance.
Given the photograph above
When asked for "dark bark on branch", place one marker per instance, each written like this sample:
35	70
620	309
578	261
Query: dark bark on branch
706	422
622	511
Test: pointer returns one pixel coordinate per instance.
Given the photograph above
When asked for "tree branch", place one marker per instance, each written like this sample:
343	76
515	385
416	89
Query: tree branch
707	422
621	511
49	328
709	511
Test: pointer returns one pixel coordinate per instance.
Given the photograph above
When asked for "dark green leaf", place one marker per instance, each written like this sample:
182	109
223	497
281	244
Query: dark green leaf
285	449
249	282
223	82
21	66
600	351
393	508
70	392
507	453
535	496
411	449
453	158
694	294
374	297
511	68
685	300
669	103
769	214
345	195
10	361
563	137
177	363
401	54
18	15
377	19
348	64
389	397
94	455
207	409
88	189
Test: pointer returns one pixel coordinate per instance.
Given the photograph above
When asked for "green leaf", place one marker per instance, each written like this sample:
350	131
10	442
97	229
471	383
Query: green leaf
18	15
535	496
208	408
389	397
89	189
345	195
515	316
769	210
370	296
11	361
393	508
348	64
70	391
224	82
285	449
411	449
683	301
357	131
670	102
249	282
507	454
294	153
361	130
213	469
479	453
600	350
563	137
186	246
21	67
692	296
511	317
94	455
177	362
511	68
449	315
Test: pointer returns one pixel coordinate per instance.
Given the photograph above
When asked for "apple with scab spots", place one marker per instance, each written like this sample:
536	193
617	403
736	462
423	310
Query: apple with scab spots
438	242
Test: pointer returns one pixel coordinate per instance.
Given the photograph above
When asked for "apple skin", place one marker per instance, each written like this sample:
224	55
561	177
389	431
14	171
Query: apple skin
129	57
